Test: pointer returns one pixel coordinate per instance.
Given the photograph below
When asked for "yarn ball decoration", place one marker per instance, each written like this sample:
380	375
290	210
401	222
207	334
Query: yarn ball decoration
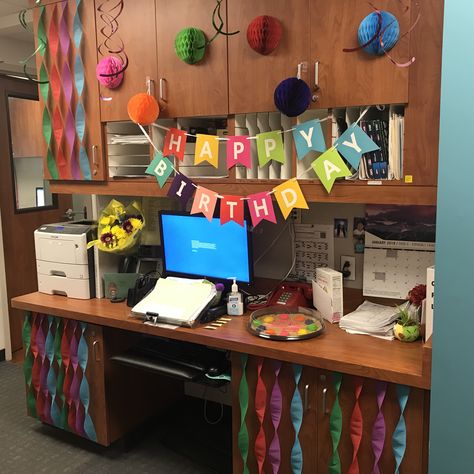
292	96
143	109
390	32
190	45
264	34
107	66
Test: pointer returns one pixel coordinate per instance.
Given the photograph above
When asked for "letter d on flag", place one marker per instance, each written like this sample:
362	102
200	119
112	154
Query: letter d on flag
290	196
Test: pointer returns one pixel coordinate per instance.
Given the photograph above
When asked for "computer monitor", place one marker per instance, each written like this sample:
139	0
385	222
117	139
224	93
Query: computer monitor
193	246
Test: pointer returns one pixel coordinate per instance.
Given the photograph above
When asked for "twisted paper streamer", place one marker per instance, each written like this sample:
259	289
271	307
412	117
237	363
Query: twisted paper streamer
356	426
296	412
378	430
274	451
335	426
79	82
28	363
260	408
243	436
399	438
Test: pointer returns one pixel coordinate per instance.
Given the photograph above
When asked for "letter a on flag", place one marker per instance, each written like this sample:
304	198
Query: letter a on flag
289	196
328	167
207	149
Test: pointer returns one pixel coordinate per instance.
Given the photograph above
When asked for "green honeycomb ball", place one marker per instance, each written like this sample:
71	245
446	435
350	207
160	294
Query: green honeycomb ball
190	45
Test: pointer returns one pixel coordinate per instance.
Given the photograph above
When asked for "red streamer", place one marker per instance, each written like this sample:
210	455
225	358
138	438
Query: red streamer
356	427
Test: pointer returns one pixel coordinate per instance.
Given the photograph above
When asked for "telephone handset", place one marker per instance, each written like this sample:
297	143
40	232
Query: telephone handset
291	294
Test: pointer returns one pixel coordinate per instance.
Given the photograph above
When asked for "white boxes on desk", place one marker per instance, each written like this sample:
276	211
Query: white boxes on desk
429	303
328	294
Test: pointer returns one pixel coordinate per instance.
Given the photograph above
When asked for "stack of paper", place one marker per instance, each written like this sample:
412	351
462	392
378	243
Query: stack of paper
178	301
371	319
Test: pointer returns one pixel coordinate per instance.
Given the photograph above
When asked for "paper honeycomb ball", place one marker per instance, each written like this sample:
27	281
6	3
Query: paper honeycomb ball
143	109
368	28
190	45
264	34
292	96
109	65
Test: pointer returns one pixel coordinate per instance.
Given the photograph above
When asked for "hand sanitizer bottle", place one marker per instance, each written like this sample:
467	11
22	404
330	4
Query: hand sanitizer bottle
235	304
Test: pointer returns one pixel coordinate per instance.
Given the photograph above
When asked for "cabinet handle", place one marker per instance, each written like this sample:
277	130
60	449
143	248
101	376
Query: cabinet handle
94	350
316	75
95	163
306	397
162	89
325	391
149	85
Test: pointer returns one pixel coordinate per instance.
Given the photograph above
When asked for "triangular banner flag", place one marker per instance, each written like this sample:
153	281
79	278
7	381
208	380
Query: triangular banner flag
328	167
261	207
175	143
181	188
232	209
207	149
270	147
160	168
353	143
204	201
238	151
308	136
289	196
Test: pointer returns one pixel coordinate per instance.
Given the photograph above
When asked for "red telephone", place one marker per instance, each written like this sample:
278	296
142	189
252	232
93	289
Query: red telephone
292	294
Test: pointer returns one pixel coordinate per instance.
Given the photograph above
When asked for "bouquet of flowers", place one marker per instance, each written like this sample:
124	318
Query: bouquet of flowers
407	327
119	227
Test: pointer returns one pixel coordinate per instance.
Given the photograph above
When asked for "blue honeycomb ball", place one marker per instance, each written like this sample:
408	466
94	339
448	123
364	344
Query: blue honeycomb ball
292	96
368	28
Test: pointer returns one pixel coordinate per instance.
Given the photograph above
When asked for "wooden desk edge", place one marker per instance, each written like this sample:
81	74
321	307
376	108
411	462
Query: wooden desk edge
418	380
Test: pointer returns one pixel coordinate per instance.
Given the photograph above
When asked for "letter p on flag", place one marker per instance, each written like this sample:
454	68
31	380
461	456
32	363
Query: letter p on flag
289	196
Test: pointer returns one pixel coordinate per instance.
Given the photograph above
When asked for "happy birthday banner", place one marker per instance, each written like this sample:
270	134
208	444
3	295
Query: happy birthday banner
308	136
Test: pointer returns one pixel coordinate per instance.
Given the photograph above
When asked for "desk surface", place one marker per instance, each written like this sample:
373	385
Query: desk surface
393	361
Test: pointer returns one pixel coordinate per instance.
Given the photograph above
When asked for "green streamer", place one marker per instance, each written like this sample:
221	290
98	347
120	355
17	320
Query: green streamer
243	436
26	335
335	426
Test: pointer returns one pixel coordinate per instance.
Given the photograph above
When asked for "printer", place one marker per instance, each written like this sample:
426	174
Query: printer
64	265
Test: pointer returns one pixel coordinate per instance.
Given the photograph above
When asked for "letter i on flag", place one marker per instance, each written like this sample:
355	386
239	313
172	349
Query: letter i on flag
238	151
289	196
328	167
261	207
232	209
204	201
175	143
160	168
353	143
181	188
207	149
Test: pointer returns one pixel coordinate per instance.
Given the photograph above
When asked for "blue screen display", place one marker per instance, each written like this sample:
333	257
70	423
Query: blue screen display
195	246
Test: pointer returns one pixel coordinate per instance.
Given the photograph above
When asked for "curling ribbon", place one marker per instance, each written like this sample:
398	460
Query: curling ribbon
243	436
260	408
79	82
378	430
296	412
356	426
274	451
335	426
399	438
84	394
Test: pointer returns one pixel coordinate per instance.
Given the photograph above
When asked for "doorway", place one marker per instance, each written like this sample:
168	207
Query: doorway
25	199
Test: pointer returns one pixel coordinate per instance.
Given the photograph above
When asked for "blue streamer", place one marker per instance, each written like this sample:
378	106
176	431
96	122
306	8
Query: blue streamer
297	419
399	438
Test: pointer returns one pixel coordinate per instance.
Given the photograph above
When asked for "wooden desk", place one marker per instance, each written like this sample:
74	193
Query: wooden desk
356	359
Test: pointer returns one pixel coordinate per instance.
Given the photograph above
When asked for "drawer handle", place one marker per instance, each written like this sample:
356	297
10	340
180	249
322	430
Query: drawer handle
162	89
325	391
95	163
306	397
94	350
316	75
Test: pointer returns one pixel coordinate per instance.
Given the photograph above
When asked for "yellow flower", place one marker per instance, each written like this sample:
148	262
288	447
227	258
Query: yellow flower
137	223
106	230
106	220
118	232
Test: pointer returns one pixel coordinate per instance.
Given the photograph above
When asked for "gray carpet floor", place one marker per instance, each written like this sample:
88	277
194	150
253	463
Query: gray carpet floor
26	445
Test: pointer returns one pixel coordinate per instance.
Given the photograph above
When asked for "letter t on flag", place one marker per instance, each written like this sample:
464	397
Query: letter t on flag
205	202
232	209
289	196
261	207
175	143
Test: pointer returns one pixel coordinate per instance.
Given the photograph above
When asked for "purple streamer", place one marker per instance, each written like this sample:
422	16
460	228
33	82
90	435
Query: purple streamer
274	451
64	39
378	430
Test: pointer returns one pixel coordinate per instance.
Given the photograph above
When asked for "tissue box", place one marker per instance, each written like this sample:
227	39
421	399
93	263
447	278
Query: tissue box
430	279
327	294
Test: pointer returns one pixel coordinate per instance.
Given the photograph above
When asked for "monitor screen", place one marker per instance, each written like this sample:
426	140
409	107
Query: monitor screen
194	246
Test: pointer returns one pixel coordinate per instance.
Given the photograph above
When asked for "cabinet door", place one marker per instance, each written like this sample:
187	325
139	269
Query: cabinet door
197	89
354	431
64	375
275	424
356	78
136	29
253	77
69	93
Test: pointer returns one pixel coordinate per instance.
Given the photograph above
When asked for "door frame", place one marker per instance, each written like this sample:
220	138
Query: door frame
5	342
